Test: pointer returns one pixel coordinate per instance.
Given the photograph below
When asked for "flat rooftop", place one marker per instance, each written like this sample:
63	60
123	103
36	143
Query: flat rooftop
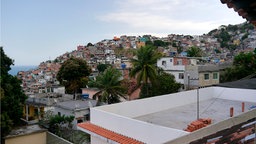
179	117
25	130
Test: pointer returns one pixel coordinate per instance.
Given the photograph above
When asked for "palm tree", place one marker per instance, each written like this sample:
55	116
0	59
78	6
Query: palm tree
109	83
144	65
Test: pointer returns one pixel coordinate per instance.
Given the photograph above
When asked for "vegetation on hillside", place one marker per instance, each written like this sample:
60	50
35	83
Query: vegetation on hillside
73	74
244	64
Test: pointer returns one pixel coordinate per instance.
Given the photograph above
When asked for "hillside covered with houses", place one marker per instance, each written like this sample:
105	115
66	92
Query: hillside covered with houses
219	46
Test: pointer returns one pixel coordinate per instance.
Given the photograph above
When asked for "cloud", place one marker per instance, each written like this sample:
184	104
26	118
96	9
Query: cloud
177	16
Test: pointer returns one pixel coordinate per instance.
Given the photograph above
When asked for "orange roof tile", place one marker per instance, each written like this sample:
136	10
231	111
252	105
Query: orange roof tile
108	134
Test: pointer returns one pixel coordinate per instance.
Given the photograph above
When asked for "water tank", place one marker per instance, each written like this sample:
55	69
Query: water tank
123	65
85	96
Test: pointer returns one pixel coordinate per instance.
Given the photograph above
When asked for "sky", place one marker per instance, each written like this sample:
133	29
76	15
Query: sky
33	31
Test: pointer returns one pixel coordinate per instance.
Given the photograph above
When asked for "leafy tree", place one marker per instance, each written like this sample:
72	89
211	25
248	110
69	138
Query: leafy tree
109	84
12	97
144	65
223	37
212	32
165	84
149	42
244	64
56	122
101	67
160	43
89	44
245	36
194	52
73	74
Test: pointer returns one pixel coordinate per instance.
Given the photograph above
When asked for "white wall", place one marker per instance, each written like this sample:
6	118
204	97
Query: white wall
167	65
119	117
150	105
76	114
142	131
246	95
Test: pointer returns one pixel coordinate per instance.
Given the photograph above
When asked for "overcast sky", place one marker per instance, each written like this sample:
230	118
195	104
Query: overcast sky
33	31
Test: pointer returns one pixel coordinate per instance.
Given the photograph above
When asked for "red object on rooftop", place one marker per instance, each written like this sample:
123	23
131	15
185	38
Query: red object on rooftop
198	124
108	134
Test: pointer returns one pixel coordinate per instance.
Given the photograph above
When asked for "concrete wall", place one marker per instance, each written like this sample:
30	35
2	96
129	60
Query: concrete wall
54	139
142	131
35	138
216	128
76	114
150	105
245	95
210	81
119	117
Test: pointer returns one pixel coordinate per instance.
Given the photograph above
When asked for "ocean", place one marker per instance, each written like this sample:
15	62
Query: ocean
15	69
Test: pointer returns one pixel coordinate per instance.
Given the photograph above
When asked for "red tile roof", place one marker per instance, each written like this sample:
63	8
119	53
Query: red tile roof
108	134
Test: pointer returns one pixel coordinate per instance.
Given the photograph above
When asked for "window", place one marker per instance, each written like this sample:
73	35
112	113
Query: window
181	75
179	62
59	113
170	60
87	117
206	76
164	63
215	75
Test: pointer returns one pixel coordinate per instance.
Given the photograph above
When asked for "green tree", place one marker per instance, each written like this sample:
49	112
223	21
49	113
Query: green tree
194	52
160	43
89	44
109	85
165	84
101	67
56	121
244	64
12	97
73	74
144	65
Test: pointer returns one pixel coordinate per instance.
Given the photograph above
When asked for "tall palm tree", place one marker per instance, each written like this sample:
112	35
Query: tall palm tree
109	84
144	65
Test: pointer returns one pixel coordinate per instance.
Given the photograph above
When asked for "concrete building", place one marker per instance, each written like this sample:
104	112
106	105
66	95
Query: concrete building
175	66
38	104
80	109
201	76
164	119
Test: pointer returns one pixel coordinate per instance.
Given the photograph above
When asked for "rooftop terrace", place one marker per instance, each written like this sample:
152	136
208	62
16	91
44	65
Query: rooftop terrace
163	118
179	117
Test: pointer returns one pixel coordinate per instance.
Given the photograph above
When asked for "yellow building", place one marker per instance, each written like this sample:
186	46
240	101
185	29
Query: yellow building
32	112
236	42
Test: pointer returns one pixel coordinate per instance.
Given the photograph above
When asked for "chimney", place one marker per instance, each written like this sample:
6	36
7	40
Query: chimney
242	106
231	112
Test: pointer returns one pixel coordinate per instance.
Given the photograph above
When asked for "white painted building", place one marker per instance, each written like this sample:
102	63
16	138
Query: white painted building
175	66
167	64
163	119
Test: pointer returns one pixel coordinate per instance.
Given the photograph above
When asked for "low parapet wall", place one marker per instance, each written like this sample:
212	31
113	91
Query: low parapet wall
226	131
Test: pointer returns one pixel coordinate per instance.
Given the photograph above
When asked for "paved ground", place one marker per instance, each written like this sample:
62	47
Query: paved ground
180	117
